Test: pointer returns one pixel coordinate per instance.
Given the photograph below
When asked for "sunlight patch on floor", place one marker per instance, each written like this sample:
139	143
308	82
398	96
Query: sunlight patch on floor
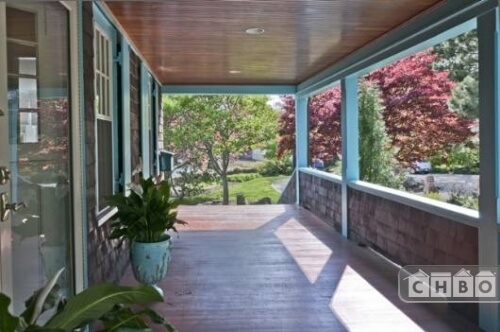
310	254
361	307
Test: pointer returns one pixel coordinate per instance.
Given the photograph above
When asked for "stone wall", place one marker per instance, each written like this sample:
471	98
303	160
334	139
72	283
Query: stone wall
103	261
322	197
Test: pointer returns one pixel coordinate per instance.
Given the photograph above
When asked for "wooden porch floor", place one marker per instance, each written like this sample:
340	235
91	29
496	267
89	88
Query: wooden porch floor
279	268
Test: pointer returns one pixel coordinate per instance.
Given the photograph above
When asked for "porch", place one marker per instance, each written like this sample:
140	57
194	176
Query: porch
281	268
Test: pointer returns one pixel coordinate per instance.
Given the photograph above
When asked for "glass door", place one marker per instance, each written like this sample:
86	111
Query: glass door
35	188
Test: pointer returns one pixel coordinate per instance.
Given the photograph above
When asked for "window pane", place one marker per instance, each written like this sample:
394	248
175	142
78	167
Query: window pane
21	59
105	161
22	24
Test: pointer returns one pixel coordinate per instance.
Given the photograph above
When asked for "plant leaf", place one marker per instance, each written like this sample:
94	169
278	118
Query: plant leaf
8	323
158	319
96	301
126	318
123	317
35	305
52	300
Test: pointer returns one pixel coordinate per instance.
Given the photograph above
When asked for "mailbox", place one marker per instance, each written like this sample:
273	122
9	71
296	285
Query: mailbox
166	161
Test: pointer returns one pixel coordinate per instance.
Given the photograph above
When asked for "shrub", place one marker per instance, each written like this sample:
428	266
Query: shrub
275	167
460	159
464	159
243	177
462	198
190	183
434	195
238	170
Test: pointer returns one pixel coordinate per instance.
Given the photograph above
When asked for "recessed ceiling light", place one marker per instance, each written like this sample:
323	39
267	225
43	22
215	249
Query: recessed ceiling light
235	72
169	69
255	31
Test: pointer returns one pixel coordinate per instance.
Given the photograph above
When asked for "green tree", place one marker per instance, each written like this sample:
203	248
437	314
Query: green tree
377	162
210	131
465	98
459	56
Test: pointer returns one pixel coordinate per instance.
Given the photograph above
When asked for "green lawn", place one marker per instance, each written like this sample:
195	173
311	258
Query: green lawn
253	190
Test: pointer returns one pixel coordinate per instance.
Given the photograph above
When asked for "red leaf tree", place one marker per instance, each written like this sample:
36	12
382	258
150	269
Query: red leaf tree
416	113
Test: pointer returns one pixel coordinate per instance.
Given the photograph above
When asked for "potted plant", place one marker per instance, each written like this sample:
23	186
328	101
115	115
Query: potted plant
143	218
104	303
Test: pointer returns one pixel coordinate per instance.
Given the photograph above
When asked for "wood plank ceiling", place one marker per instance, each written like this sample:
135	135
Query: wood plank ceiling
204	41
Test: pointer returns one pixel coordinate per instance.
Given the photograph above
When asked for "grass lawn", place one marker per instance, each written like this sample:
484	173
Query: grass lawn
253	190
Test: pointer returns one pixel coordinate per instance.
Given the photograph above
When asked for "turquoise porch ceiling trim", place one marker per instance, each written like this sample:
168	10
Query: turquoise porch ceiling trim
229	89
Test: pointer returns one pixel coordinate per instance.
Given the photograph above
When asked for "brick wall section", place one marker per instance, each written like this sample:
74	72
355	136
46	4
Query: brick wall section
135	109
289	195
104	262
323	197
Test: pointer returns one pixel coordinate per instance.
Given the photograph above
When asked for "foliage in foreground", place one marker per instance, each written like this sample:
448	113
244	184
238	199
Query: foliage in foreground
144	215
107	303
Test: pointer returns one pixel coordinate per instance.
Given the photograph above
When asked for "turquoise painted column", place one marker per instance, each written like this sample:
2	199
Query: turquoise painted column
488	241
301	139
125	88
145	118
350	143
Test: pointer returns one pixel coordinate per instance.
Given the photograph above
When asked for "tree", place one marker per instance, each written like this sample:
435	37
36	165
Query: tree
465	98
377	162
417	117
324	125
211	130
460	57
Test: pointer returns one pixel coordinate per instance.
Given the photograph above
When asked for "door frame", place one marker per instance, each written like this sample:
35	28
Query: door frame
5	227
78	226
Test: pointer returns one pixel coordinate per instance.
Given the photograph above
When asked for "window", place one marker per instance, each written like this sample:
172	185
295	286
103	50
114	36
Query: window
104	116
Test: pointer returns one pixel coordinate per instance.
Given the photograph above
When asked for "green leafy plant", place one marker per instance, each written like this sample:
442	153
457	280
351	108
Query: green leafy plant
243	177
275	167
105	303
462	198
146	214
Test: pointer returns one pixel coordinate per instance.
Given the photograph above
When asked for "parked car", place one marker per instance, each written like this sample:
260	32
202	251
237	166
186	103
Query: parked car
421	167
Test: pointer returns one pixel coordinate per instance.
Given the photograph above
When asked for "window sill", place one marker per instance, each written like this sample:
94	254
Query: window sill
105	214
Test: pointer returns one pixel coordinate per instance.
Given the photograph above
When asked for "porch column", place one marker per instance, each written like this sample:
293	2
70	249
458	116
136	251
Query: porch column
301	139
489	153
145	121
350	143
125	88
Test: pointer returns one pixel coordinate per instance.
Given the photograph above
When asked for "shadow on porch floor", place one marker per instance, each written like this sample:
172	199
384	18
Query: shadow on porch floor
279	268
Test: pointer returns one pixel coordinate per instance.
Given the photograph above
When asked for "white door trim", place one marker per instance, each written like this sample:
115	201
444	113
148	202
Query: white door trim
77	139
5	227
